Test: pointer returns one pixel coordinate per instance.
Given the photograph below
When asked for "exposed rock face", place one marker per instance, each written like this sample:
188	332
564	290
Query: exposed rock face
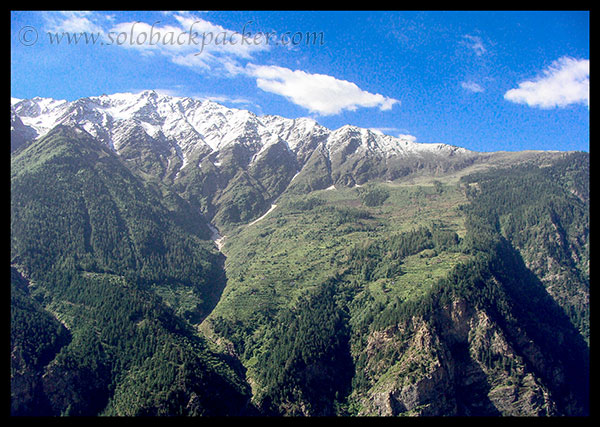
459	362
205	150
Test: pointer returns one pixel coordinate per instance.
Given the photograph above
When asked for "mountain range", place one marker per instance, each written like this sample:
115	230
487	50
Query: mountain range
171	256
185	142
190	127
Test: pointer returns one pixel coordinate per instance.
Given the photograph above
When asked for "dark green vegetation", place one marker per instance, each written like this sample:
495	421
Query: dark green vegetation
438	303
100	250
464	294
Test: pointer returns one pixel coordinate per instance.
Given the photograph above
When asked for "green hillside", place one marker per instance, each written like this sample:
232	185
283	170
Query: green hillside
386	255
105	257
451	288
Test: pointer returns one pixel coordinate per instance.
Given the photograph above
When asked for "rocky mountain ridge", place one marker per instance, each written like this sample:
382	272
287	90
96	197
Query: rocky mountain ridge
229	163
191	125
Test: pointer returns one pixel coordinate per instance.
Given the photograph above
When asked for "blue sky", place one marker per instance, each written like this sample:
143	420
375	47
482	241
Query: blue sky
486	81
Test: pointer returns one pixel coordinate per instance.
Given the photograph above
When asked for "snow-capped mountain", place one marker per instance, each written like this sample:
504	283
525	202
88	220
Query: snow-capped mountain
189	126
230	163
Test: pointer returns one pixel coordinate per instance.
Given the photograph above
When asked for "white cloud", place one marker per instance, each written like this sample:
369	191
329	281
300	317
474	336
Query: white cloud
383	131
147	38
224	99
185	38
183	91
202	46
319	93
472	87
213	38
72	22
190	36
192	42
407	137
475	44
394	132
196	62
566	81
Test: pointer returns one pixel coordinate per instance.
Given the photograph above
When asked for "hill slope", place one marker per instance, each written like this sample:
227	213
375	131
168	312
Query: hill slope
355	273
106	263
423	301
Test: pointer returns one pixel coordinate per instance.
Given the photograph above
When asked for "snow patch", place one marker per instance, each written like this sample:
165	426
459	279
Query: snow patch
216	237
262	217
294	177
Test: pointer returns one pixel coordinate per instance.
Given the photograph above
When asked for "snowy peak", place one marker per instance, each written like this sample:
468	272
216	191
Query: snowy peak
193	128
366	141
229	163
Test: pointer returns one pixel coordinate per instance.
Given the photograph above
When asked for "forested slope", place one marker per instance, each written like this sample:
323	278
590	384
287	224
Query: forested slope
97	249
419	300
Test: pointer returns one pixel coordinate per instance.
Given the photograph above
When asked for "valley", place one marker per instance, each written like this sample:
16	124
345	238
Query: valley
176	257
